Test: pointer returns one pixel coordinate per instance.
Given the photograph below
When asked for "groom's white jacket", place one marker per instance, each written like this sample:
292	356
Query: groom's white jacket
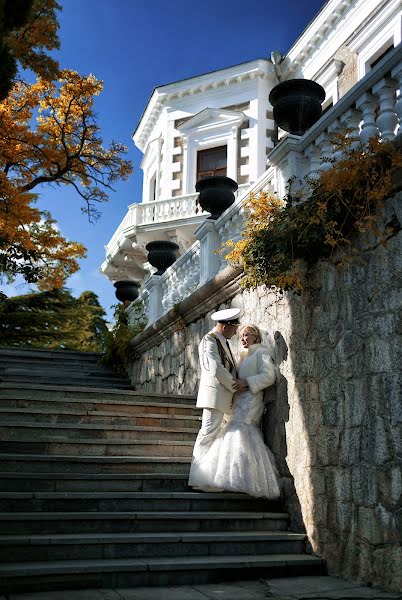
216	383
257	367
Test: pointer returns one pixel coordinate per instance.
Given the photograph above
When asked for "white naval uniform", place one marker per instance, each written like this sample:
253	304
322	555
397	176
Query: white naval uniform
216	389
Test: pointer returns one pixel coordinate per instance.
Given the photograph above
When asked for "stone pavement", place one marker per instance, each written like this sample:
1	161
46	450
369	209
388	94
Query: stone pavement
288	588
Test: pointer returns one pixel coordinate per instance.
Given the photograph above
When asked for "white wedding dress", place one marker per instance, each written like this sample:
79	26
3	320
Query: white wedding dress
238	459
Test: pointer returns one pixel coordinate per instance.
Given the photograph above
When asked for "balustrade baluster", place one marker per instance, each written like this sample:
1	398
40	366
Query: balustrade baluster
313	155
387	119
397	74
324	142
368	104
335	129
351	120
165	296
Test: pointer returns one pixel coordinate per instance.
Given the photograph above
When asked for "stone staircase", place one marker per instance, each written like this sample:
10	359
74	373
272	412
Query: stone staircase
94	492
62	367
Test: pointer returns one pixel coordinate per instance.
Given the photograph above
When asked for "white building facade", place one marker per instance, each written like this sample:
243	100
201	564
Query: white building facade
222	123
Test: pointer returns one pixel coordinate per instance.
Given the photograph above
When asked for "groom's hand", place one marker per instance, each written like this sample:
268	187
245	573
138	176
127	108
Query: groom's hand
241	385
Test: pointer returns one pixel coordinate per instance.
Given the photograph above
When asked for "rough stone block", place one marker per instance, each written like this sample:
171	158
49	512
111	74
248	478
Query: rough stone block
349	345
390	486
376	441
364	485
332	411
350	447
378	355
355	402
387	563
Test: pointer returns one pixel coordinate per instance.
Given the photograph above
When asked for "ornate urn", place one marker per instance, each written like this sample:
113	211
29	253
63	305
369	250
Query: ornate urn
297	104
127	290
162	254
216	194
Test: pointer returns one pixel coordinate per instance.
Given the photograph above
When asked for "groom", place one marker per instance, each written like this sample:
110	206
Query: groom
219	379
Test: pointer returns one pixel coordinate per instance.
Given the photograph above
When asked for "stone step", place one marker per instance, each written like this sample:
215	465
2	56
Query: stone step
140	545
115	573
84	464
95	447
99	482
135	501
59	414
45	355
100	406
31	523
17	363
39	431
65	378
55	367
70	393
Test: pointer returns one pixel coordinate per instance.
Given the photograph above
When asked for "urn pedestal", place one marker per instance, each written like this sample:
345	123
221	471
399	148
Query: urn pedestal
216	194
127	290
297	104
162	254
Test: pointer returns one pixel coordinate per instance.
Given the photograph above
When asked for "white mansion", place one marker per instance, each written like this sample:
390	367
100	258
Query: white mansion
221	123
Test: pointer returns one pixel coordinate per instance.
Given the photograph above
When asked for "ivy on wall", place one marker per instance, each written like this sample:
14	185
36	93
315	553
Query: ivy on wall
118	354
318	221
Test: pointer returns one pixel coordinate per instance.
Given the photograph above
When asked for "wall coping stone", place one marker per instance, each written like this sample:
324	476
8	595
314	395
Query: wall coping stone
224	286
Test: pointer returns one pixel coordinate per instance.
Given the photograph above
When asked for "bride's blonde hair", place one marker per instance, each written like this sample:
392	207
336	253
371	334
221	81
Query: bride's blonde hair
254	330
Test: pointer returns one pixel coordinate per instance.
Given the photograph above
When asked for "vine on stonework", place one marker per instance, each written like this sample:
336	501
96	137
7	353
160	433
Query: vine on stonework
283	237
118	353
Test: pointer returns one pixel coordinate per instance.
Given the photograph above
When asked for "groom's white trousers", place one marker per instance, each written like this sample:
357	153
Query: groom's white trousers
212	420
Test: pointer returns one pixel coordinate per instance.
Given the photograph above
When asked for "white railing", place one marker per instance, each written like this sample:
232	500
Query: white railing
373	107
159	211
182	278
171	209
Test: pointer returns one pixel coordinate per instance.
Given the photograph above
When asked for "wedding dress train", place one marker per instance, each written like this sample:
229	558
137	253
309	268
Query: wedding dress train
238	459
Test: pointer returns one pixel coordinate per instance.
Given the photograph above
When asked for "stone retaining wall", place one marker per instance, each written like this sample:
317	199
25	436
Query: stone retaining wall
334	419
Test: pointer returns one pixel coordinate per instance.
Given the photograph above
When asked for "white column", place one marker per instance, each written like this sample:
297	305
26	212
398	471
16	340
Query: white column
159	142
232	154
210	242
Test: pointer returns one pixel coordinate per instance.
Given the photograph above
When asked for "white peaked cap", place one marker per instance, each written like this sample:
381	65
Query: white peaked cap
229	315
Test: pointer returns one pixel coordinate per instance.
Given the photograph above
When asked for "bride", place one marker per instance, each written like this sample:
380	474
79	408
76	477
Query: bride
239	460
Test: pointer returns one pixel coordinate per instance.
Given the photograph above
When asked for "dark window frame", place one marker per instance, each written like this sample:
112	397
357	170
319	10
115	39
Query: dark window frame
217	155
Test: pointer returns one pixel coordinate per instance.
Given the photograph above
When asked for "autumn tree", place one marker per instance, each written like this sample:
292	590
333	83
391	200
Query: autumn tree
28	30
63	148
53	319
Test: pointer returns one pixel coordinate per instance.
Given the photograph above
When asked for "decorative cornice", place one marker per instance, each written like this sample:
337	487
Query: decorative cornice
315	33
221	288
257	69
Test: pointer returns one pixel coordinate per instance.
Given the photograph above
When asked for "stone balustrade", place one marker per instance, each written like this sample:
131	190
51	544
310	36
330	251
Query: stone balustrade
373	107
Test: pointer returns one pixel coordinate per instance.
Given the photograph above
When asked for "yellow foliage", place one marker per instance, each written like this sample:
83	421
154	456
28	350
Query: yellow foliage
64	148
280	235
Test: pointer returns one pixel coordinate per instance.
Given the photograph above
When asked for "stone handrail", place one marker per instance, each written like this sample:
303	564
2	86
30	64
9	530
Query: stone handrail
373	107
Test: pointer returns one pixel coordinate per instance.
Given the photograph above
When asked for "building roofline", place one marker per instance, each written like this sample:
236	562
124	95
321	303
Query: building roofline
161	89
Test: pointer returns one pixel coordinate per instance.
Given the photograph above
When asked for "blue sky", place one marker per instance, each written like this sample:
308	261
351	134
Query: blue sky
133	46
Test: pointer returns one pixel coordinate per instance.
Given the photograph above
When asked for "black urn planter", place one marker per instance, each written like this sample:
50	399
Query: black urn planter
127	290
216	194
162	254
297	104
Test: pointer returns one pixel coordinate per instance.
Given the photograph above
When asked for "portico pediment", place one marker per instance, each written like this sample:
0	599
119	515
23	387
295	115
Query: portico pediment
211	118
